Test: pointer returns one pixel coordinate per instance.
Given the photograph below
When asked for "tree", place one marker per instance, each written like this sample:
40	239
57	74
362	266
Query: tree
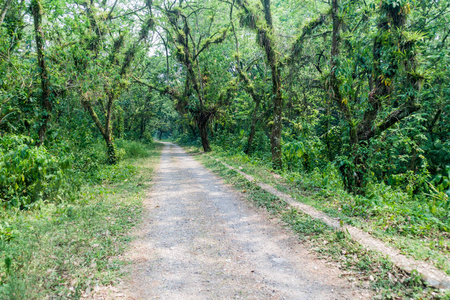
115	78
36	8
266	40
394	58
189	46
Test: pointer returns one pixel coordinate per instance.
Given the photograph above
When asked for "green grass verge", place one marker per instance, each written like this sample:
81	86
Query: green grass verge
60	251
365	267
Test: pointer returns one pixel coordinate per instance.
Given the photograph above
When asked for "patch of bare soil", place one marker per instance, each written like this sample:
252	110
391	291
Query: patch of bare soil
199	240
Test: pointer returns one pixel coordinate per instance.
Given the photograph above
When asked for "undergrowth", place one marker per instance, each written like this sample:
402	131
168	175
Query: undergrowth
61	250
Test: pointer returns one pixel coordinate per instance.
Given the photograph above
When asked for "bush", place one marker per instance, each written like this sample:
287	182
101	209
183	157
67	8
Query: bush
29	173
188	139
326	178
132	149
90	162
301	155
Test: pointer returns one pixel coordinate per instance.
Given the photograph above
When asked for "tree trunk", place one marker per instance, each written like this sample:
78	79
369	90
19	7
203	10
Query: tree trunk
266	41
112	91
249	146
351	173
275	135
111	149
106	133
202	123
204	136
392	15
4	11
265	38
36	9
112	158
369	126
433	123
142	127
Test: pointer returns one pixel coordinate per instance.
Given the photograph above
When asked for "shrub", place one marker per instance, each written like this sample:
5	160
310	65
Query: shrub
301	155
132	149
29	173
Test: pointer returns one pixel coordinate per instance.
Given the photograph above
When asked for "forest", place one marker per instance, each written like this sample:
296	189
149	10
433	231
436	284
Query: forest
337	96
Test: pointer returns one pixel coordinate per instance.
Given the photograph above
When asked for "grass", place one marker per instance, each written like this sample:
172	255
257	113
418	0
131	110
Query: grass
61	251
367	267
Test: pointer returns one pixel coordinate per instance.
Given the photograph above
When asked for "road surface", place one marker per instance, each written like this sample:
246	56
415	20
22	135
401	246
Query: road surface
200	240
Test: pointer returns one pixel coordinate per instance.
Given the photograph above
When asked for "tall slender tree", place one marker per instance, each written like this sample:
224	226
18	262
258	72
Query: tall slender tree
37	10
266	39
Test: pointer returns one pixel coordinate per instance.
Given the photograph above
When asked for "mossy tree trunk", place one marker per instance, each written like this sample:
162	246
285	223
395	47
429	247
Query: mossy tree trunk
106	130
249	88
265	38
36	8
267	41
202	124
249	147
4	11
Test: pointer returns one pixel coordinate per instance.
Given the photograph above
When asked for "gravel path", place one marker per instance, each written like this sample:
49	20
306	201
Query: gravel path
199	240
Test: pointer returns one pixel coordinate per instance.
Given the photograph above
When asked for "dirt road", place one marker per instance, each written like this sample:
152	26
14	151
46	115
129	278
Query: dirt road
200	240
